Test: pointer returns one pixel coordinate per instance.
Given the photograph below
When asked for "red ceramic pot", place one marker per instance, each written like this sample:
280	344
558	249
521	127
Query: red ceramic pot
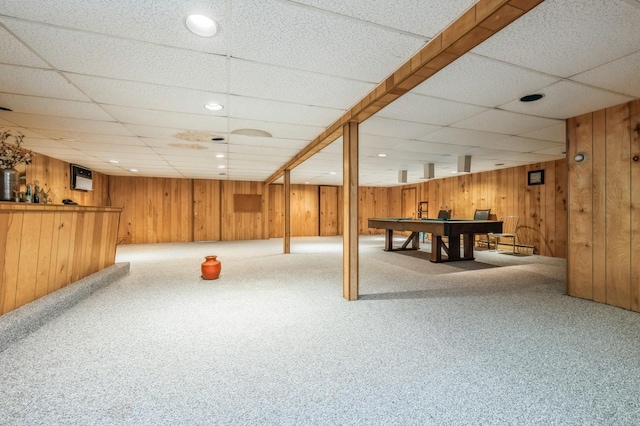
211	268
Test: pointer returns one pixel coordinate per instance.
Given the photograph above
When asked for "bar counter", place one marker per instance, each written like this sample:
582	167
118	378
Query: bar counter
44	247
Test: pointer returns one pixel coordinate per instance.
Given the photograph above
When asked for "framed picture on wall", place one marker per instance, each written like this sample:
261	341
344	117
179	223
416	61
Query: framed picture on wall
536	177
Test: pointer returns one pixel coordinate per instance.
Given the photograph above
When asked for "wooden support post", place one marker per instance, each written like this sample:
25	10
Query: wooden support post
287	211
350	212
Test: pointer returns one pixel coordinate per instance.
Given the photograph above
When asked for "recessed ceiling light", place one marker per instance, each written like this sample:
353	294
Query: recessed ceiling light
114	161
133	170
532	98
213	107
332	173
382	155
454	172
221	166
219	155
201	25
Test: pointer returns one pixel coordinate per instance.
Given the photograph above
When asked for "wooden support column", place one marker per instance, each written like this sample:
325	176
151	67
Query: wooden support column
350	212
287	211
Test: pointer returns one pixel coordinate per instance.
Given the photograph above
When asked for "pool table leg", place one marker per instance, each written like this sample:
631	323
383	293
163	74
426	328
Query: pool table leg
388	239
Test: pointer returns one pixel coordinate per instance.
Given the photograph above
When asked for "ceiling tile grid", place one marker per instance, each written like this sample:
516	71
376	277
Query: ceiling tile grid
128	77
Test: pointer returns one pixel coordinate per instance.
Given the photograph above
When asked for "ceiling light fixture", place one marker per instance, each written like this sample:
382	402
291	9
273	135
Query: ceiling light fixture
213	106
114	161
219	155
133	170
201	25
252	132
464	164
429	171
382	155
532	98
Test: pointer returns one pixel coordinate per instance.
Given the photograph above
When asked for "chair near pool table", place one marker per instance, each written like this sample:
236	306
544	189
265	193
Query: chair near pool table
509	226
482	214
444	214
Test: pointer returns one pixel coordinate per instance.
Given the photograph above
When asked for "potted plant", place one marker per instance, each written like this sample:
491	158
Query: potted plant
11	155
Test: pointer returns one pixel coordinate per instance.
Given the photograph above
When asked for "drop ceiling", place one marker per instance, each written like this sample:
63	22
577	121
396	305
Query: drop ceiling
89	81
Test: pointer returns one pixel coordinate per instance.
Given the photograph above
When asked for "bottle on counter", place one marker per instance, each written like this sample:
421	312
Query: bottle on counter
36	192
28	194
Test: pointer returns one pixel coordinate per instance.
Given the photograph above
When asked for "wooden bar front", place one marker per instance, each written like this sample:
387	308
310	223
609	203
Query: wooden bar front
45	247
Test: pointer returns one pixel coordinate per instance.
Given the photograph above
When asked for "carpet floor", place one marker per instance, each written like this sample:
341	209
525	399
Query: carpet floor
272	342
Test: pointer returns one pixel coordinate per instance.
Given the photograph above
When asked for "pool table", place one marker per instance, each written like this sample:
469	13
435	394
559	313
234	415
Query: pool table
439	228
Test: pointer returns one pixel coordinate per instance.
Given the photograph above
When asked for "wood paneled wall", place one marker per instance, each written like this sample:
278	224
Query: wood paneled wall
154	210
48	247
178	210
305	210
603	262
206	210
242	225
54	176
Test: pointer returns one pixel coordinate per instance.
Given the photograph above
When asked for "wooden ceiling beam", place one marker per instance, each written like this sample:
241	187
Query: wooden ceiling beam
483	20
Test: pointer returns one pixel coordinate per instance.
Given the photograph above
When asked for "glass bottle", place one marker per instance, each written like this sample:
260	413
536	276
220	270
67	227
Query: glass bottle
36	192
28	194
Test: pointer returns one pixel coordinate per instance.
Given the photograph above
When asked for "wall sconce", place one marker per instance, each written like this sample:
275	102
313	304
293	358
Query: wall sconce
581	157
429	171
464	164
402	176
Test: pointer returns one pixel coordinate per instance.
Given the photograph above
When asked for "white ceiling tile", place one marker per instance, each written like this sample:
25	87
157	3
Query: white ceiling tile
413	147
482	81
123	59
160	22
428	110
262	150
37	82
277	130
619	76
154	132
455	136
559	150
413	16
252	79
316	41
530	158
91	137
567	37
378	125
16	53
204	122
283	112
66	123
53	107
566	99
183	152
111	148
506	122
37	144
235	140
555	133
149	96
520	144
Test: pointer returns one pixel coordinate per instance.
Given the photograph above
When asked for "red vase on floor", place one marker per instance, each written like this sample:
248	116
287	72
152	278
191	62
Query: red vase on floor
211	268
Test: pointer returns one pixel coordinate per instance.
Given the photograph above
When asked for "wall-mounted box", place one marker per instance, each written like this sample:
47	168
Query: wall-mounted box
81	178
